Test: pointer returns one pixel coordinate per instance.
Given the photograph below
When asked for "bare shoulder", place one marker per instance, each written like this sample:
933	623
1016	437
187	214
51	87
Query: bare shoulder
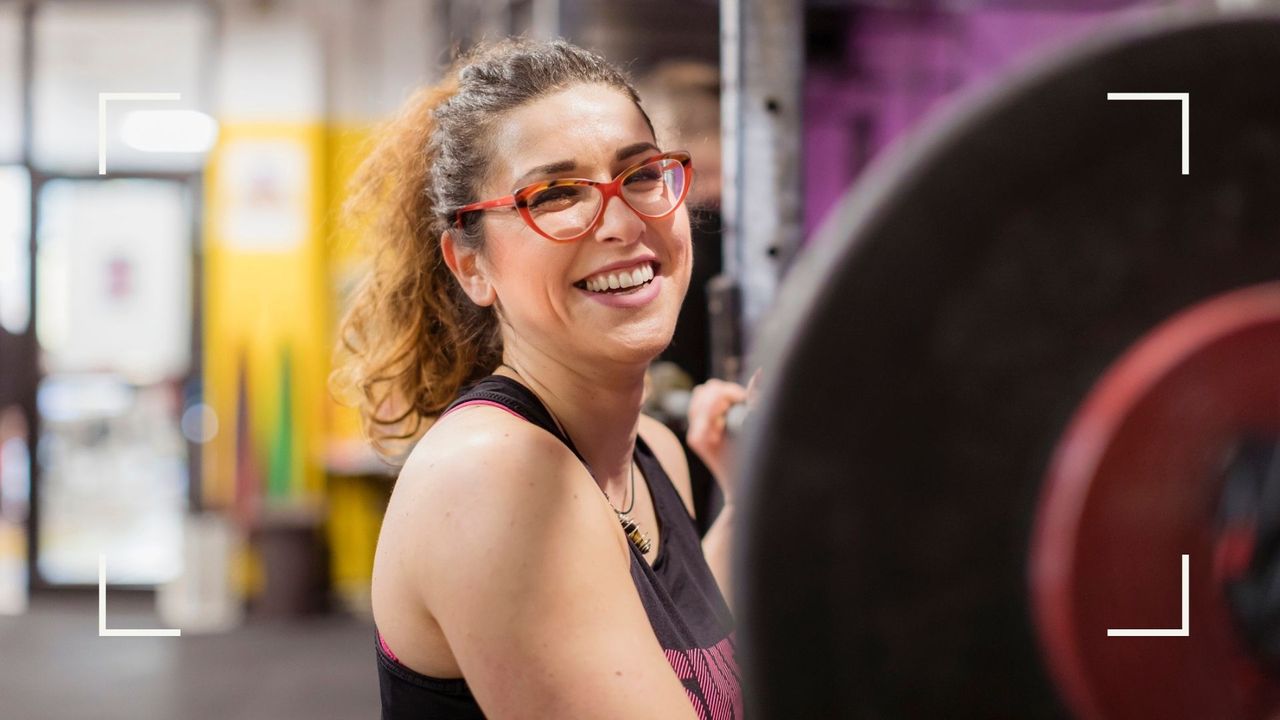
670	453
482	463
528	575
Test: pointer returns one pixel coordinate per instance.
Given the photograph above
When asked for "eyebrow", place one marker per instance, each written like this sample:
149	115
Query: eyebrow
567	165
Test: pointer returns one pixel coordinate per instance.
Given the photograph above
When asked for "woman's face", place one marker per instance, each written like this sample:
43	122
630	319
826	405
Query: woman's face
592	132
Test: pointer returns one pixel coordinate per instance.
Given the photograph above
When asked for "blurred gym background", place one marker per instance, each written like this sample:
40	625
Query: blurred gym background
166	325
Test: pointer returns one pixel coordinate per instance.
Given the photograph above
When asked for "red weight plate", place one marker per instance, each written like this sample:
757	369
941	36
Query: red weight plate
1133	486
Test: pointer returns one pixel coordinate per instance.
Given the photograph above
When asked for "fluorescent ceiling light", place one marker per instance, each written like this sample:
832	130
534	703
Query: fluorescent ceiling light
176	131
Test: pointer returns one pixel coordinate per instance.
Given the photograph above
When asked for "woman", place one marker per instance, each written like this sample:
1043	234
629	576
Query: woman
536	560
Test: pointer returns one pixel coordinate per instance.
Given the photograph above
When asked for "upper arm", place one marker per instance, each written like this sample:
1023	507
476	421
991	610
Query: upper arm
670	453
530	589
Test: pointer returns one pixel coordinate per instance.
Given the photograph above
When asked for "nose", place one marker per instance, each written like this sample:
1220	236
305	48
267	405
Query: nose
619	222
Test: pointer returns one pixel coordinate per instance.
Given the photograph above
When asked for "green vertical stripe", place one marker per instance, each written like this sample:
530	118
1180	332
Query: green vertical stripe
281	475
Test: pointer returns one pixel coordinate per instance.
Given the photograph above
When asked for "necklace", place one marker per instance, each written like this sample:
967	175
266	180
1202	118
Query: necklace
640	539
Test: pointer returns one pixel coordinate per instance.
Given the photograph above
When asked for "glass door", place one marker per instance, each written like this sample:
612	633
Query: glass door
113	321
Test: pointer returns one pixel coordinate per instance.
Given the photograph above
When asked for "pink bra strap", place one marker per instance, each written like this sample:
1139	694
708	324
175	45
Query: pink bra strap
386	649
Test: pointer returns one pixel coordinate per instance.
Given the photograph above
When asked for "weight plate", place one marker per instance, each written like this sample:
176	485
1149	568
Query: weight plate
928	350
1136	483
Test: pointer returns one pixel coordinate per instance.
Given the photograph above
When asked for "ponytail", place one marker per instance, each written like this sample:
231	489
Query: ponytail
410	338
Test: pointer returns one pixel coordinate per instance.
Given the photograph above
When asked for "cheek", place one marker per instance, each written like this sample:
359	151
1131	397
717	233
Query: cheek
525	264
534	282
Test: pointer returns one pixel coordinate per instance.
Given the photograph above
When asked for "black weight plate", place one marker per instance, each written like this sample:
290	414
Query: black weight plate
927	351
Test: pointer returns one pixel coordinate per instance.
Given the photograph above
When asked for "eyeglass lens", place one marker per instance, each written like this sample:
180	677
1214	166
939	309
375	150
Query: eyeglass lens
567	211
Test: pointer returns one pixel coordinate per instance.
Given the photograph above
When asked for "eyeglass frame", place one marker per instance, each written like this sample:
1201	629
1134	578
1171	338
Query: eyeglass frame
519	198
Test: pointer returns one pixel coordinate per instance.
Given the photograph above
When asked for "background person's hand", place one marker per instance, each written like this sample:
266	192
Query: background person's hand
708	408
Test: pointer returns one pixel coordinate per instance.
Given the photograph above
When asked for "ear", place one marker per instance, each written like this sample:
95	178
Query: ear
466	265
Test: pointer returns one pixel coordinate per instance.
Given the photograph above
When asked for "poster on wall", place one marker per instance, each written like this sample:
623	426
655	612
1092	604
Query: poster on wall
263	186
114	269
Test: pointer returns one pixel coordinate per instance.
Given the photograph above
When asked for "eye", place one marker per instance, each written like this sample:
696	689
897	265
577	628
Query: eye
556	198
650	173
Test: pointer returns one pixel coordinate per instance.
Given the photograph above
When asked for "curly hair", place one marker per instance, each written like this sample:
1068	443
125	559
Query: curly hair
410	338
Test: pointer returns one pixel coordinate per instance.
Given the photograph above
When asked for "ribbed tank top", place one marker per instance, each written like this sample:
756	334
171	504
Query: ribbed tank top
685	607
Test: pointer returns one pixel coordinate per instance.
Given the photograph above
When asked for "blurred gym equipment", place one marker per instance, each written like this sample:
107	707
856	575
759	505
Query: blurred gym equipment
671	389
1025	367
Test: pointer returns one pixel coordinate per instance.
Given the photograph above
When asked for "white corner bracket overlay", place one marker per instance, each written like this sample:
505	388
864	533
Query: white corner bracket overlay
1185	630
1184	99
103	97
102	611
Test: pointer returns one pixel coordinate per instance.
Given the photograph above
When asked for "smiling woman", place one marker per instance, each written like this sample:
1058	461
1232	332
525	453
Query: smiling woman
512	307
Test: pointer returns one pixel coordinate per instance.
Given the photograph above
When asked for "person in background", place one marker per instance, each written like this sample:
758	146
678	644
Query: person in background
539	556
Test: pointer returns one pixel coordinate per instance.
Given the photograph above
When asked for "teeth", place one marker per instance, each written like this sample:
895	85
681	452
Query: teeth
620	280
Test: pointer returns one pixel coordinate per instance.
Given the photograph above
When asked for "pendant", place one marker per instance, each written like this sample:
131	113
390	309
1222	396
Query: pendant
639	539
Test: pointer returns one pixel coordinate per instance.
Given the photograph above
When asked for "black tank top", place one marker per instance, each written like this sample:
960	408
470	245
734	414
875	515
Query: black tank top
685	607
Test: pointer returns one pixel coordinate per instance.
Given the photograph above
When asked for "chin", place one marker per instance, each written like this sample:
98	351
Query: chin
638	347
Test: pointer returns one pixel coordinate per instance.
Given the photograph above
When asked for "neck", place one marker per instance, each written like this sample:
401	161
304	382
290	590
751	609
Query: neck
599	408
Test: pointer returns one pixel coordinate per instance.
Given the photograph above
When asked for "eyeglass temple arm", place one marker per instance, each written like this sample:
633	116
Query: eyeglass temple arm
486	205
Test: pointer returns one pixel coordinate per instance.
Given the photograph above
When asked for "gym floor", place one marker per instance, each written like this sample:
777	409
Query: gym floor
321	668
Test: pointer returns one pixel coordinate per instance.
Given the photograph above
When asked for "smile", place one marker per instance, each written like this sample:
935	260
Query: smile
618	282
